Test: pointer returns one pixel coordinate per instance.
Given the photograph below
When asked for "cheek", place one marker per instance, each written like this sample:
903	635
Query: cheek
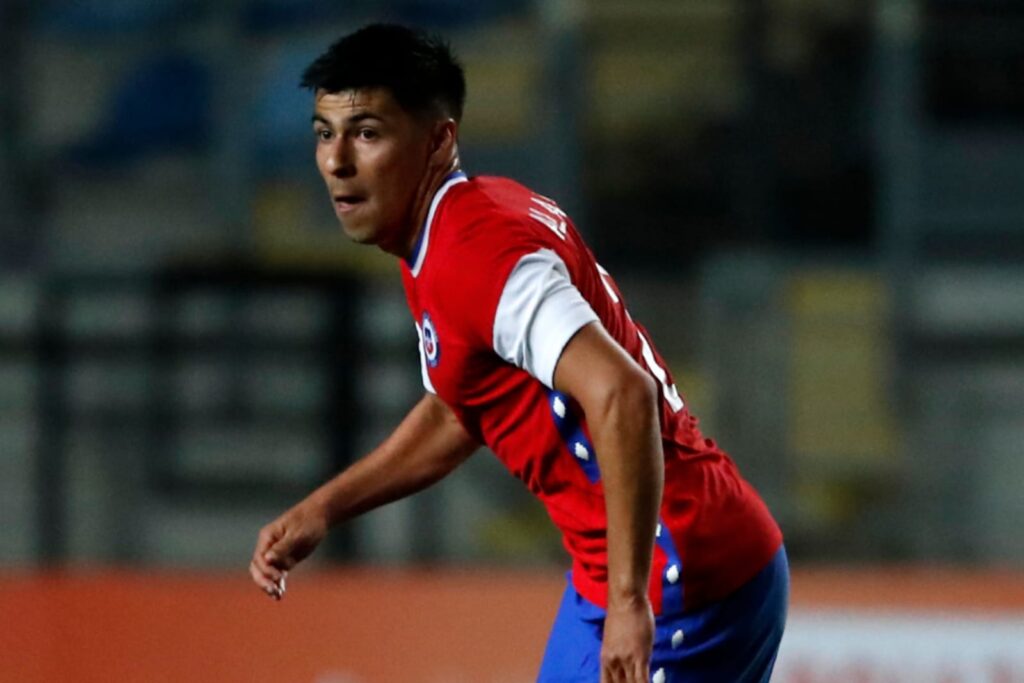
321	162
410	169
396	180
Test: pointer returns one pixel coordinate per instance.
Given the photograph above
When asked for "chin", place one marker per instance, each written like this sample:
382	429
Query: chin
360	236
363	239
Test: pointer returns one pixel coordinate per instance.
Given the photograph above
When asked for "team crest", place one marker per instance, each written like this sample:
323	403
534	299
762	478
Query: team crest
431	345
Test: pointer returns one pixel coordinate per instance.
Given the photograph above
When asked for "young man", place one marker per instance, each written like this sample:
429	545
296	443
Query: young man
526	346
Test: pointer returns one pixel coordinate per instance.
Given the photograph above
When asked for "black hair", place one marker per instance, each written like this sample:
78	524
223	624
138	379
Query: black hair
420	70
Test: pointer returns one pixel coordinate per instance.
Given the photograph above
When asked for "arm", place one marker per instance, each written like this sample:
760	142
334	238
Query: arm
428	444
620	401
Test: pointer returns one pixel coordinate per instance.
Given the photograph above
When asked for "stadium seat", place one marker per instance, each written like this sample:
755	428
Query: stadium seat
272	16
281	110
111	16
449	14
162	105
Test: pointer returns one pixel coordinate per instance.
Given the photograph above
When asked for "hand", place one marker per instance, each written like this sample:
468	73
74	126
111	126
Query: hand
285	542
628	639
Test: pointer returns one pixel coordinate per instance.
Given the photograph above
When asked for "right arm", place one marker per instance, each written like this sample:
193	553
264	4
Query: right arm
428	444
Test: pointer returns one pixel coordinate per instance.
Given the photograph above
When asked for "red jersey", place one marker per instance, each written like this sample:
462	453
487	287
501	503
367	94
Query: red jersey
498	283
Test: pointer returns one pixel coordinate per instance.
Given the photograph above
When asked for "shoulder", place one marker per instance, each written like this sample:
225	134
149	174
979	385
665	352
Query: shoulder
493	218
483	201
482	230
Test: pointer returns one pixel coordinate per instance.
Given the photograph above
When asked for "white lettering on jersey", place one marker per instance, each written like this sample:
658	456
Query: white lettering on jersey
605	276
672	396
511	340
549	215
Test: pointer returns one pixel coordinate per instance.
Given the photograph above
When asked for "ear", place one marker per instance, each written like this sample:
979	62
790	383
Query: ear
444	142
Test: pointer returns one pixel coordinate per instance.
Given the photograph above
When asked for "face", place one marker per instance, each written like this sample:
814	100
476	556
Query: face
375	158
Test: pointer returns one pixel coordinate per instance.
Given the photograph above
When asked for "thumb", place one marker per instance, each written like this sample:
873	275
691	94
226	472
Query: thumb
280	554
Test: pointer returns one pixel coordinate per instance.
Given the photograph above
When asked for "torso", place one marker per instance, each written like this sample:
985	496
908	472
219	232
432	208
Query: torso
715	532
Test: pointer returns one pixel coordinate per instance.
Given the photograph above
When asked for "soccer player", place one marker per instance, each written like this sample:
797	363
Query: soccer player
678	570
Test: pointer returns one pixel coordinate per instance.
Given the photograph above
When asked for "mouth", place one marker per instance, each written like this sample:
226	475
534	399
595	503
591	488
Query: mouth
343	203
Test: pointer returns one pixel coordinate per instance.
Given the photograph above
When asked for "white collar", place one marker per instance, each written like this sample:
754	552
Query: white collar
419	251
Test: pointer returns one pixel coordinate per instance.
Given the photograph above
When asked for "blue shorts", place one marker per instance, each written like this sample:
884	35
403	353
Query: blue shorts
733	640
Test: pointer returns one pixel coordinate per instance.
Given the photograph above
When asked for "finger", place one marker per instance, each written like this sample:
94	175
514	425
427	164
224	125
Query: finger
268	586
641	671
280	586
280	560
611	673
266	568
259	577
626	673
269	536
280	555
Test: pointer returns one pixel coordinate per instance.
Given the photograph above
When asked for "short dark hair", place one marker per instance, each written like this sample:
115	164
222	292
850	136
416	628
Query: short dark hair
420	70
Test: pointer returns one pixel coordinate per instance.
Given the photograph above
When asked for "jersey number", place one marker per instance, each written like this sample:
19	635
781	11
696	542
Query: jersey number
672	397
547	213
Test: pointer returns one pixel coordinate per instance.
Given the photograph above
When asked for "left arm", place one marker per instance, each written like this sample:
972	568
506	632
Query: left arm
620	402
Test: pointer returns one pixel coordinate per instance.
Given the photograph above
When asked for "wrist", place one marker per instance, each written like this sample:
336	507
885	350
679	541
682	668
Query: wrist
627	596
318	505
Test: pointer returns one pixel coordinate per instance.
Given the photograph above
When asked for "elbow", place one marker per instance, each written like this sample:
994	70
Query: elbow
643	391
633	392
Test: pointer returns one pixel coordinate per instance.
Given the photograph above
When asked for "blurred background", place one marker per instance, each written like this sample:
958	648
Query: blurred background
816	206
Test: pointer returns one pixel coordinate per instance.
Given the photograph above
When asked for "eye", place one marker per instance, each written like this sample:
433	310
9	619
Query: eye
368	134
323	134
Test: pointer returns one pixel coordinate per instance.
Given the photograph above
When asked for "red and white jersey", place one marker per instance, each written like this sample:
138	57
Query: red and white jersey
498	283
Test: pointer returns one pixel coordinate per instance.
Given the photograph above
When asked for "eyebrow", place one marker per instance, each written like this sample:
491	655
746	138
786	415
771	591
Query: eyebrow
355	118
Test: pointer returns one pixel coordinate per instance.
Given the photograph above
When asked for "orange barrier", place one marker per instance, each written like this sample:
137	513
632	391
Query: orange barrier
910	589
358	626
343	627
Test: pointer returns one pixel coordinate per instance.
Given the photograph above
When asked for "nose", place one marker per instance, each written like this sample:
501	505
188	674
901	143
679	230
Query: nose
339	161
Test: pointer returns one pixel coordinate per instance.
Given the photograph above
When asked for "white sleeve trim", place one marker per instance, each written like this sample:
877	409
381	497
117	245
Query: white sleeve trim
427	384
539	312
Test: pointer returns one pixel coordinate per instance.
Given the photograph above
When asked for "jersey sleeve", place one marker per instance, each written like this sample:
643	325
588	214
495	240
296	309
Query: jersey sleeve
506	285
538	312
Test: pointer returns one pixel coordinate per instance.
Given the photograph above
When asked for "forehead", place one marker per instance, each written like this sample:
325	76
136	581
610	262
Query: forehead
345	103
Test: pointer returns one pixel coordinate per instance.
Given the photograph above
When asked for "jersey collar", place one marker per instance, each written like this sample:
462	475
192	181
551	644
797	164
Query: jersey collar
419	251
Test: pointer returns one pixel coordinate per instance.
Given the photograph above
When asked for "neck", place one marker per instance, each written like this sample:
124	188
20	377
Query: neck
432	182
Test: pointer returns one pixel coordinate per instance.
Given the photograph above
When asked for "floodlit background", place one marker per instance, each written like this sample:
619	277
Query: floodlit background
816	206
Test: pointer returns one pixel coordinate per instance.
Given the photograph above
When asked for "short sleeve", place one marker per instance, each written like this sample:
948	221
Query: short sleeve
538	312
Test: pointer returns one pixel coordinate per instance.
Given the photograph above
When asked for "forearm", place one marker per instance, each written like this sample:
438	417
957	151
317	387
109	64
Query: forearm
627	439
620	402
428	444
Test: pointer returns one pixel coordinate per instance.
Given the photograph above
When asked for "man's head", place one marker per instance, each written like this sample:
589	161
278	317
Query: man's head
388	102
